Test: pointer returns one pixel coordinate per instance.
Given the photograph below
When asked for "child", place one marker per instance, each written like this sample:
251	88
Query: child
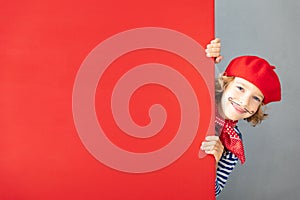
248	83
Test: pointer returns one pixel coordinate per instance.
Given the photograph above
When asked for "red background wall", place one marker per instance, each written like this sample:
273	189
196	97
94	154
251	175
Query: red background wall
42	45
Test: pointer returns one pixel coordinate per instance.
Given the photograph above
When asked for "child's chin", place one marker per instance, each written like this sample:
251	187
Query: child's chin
234	117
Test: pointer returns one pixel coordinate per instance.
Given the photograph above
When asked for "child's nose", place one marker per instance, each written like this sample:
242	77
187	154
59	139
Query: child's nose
244	100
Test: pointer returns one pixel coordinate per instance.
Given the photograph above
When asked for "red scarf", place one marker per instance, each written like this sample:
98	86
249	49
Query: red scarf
229	137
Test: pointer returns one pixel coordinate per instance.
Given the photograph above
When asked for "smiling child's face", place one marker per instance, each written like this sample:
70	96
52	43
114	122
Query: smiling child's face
240	100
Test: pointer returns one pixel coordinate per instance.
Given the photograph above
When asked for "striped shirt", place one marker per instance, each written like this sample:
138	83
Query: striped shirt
225	166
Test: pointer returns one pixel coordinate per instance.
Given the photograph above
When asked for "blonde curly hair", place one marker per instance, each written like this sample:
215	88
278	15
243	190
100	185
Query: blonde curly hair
221	84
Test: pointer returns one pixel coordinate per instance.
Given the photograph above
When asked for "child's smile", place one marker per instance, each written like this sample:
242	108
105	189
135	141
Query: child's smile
237	107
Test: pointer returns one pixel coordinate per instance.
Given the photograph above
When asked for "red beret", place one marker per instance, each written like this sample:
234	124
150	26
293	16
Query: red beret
259	72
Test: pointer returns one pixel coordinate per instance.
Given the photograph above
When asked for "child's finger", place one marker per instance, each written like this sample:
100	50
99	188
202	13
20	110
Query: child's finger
212	138
217	40
210	46
213	50
208	144
218	45
208	148
212	54
218	59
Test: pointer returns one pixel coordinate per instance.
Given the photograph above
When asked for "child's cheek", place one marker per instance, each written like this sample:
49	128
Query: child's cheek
233	93
253	107
236	92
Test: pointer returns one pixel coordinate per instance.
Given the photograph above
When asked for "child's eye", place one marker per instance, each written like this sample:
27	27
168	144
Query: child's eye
256	99
240	88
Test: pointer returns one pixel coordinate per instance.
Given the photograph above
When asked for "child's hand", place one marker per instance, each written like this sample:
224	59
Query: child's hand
213	146
213	50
